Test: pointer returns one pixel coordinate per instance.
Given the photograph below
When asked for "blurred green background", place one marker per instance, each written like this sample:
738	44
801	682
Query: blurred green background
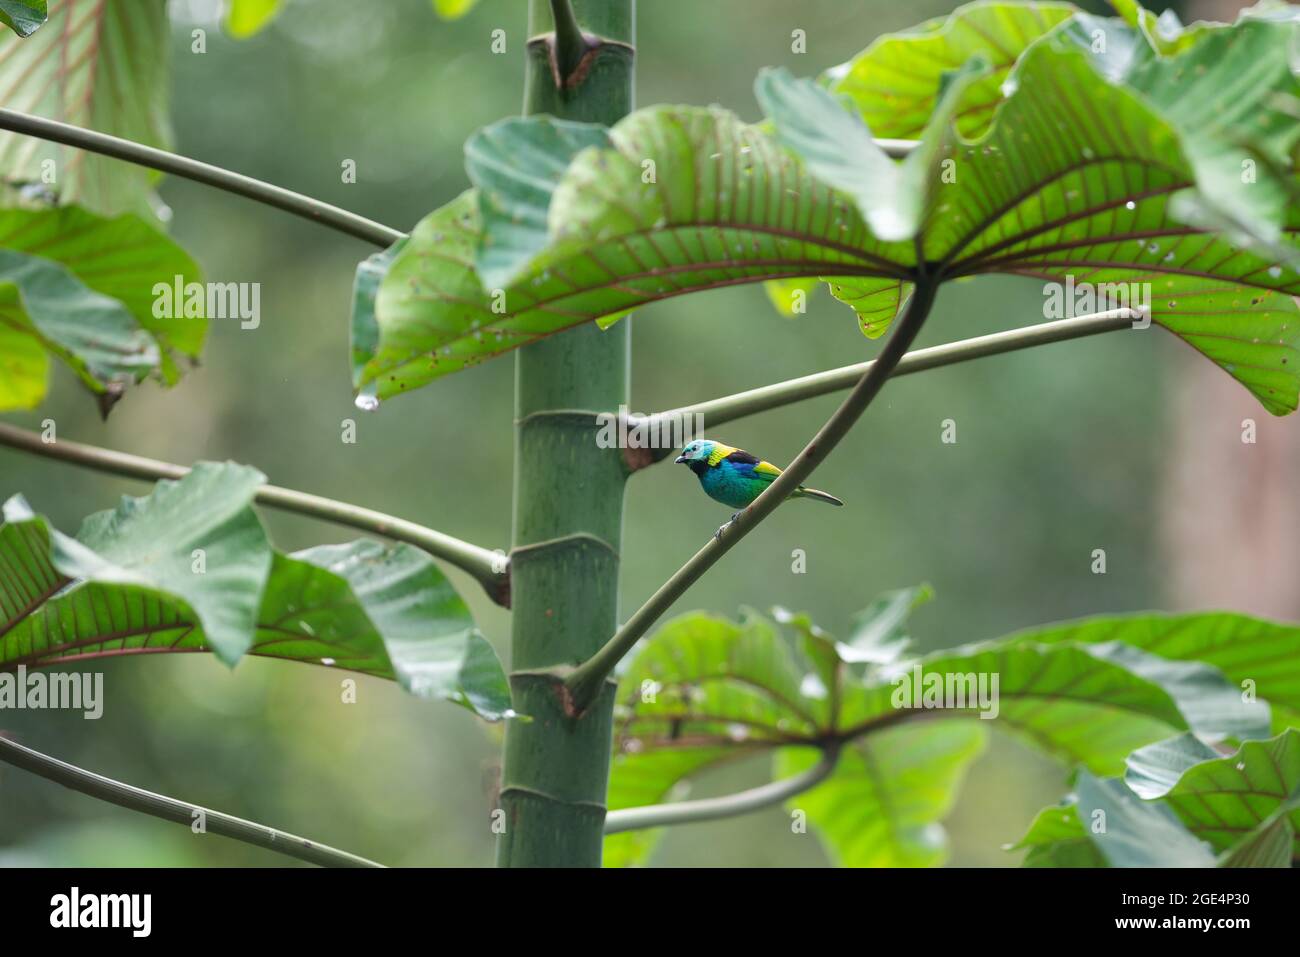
1059	451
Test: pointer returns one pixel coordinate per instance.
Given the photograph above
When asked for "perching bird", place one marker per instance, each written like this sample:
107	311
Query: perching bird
734	477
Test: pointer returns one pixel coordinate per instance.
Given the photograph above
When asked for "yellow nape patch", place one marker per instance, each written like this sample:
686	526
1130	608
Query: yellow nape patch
719	453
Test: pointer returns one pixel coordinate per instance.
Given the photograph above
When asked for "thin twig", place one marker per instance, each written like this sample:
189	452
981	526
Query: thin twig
170	809
731	805
728	408
585	681
490	569
166	162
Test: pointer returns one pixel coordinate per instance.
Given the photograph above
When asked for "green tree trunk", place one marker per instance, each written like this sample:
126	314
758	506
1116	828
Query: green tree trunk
568	493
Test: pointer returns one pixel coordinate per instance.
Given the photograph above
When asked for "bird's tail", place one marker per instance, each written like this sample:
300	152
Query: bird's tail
813	493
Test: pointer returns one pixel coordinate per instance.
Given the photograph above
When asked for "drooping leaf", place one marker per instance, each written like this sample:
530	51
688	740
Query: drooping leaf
419	627
188	569
244	18
1239	136
99	64
895	199
1213	707
192	544
517	165
45	309
1244	807
895	82
1136	833
23	17
96	311
364	330
882	805
1262	658
1057	838
1152	770
1223	799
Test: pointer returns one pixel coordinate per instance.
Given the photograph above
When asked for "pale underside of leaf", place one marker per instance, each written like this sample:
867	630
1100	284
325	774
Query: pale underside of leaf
99	64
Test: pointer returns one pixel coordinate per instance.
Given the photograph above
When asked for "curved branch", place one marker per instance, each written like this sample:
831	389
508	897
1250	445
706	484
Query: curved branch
731	407
490	569
732	805
585	681
170	809
166	162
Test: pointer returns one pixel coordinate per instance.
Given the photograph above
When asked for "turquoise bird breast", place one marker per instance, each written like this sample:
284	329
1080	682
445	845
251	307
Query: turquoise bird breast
731	483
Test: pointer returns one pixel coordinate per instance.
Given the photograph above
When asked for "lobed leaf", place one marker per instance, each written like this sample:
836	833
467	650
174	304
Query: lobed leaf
1068	168
705	690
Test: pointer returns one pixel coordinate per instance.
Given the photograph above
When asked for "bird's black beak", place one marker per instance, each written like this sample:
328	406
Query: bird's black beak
679	460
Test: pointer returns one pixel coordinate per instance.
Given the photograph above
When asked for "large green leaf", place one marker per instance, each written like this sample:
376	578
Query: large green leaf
704	689
82	287
726	205
1261	656
895	199
1079	706
1057	838
99	64
1245	807
882	804
133	583
411	622
1134	833
193	542
1078	174
1223	799
1084	176
23	17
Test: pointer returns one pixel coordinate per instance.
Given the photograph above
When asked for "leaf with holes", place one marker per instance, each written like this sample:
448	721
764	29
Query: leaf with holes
380	610
98	64
83	288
